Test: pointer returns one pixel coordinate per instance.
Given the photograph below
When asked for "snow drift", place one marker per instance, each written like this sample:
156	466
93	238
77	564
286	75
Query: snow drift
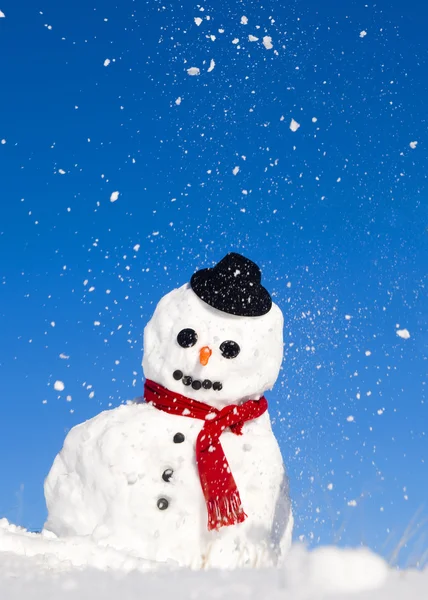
37	567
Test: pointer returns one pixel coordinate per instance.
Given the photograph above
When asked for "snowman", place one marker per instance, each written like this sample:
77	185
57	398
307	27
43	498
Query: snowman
193	474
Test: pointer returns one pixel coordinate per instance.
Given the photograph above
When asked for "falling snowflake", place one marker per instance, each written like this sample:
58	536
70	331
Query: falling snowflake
294	125
403	333
267	42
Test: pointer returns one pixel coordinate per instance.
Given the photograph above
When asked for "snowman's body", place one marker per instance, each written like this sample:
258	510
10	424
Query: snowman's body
107	482
130	478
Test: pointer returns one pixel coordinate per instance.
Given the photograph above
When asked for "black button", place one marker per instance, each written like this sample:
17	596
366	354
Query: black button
187	380
162	504
207	384
196	385
178	438
177	375
217	386
167	474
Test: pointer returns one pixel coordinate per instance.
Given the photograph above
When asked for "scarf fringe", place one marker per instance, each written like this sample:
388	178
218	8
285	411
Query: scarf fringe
224	511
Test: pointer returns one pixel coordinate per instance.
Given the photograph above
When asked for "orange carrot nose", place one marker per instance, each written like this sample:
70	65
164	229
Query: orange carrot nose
204	355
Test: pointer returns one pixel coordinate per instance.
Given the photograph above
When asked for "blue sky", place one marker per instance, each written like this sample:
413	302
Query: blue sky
335	213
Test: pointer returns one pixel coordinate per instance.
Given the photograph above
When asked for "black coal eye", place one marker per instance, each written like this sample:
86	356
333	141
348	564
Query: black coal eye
230	349
187	338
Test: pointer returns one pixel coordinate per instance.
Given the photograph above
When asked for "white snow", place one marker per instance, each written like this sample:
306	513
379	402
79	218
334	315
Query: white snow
413	145
114	196
403	333
235	170
3	141
107	480
294	125
178	101
267	42
42	567
193	71
2	15
212	65
198	20
253	38
363	34
244	20
107	62
59	386
61	171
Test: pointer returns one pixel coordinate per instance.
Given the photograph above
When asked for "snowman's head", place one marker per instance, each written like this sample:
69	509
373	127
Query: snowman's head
216	355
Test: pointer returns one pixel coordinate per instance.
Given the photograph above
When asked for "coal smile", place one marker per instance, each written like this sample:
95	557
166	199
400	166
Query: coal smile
196	384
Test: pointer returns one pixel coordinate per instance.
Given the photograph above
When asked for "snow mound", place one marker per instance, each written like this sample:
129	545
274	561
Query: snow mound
41	567
128	479
334	571
50	553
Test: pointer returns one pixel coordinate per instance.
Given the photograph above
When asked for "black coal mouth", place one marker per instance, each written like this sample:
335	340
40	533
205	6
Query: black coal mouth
197	384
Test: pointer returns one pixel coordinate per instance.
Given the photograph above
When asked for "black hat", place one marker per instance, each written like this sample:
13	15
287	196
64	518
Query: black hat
233	286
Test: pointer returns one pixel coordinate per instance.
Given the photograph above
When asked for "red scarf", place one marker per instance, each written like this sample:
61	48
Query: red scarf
218	485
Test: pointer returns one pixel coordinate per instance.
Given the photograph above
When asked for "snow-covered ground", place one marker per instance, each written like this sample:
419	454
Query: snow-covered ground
40	567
